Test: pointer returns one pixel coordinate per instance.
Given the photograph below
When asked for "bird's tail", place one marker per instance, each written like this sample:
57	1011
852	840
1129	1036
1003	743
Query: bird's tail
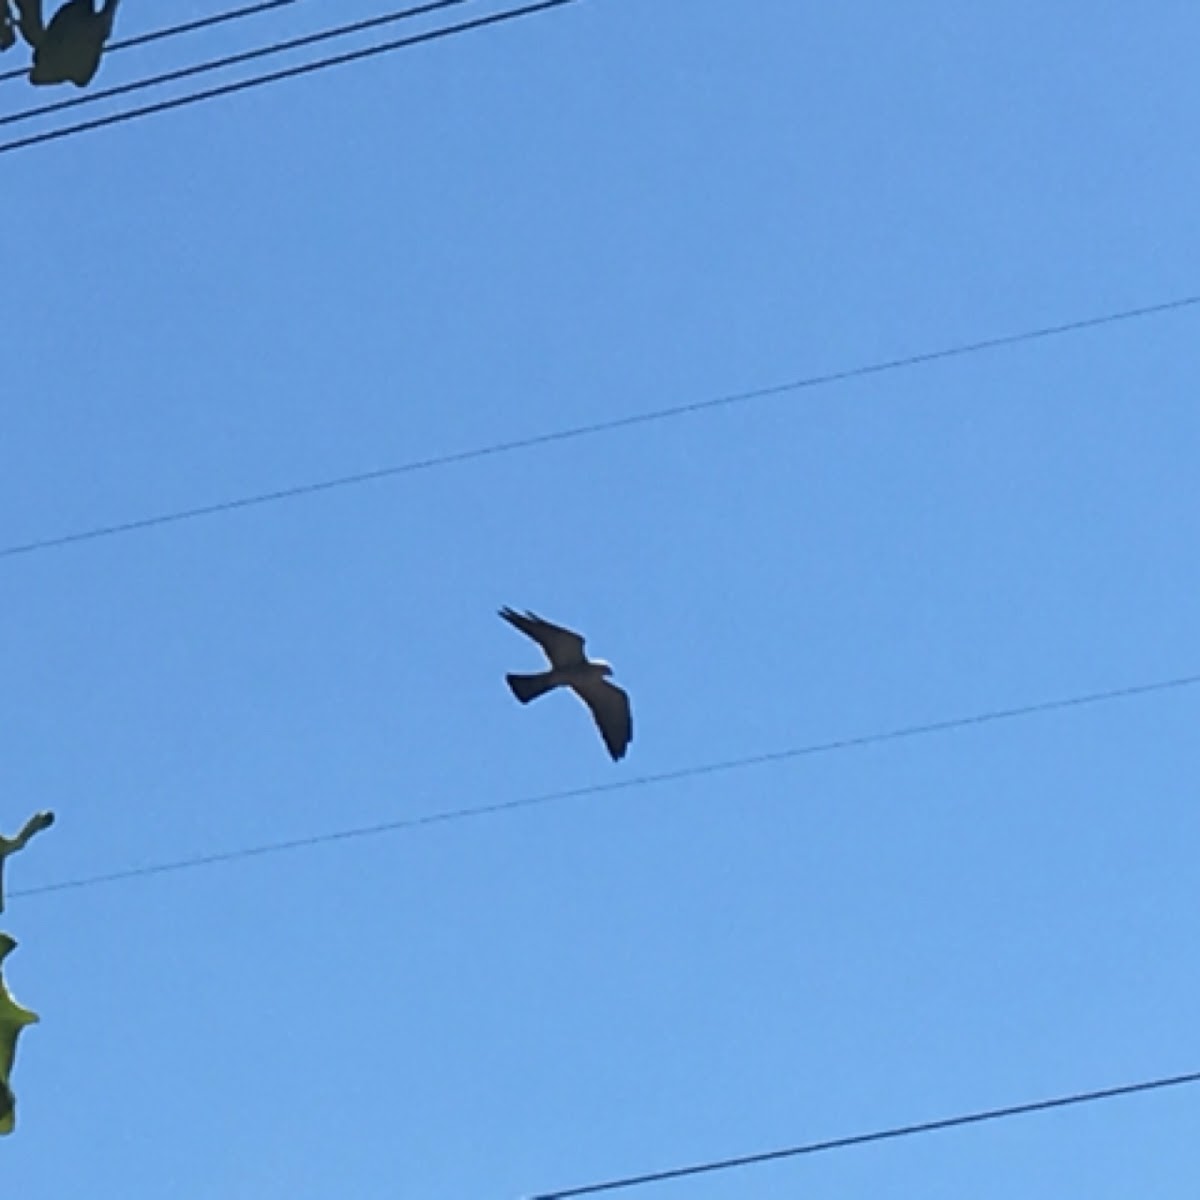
530	687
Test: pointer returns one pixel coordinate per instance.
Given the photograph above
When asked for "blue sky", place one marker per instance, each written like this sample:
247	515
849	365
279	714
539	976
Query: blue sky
592	213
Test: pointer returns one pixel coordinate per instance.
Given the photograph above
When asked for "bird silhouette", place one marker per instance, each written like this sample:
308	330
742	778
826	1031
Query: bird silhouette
571	668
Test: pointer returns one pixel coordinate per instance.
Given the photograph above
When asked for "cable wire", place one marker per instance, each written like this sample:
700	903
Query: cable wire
158	35
309	68
879	1135
231	60
592	429
456	815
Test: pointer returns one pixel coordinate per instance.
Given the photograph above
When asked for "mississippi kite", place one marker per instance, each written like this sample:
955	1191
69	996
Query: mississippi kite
570	667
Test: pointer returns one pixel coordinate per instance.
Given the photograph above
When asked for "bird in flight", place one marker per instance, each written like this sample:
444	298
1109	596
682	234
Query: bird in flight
570	667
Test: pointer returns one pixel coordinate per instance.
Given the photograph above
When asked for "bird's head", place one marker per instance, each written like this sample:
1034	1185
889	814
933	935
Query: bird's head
602	668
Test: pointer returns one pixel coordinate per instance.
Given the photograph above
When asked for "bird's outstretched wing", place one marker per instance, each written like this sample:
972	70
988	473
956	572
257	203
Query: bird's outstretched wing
610	708
563	647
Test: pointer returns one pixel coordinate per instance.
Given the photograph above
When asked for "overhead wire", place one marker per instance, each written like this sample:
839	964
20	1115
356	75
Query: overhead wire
232	60
591	429
458	815
274	77
172	31
895	1133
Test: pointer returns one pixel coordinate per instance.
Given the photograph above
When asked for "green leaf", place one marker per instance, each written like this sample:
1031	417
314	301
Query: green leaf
13	1018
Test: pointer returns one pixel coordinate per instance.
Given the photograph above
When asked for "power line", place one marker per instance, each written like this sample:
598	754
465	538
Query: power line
309	68
158	35
231	60
454	816
879	1135
576	432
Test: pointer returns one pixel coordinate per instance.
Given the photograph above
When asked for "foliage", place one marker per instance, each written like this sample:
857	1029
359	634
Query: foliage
13	1018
